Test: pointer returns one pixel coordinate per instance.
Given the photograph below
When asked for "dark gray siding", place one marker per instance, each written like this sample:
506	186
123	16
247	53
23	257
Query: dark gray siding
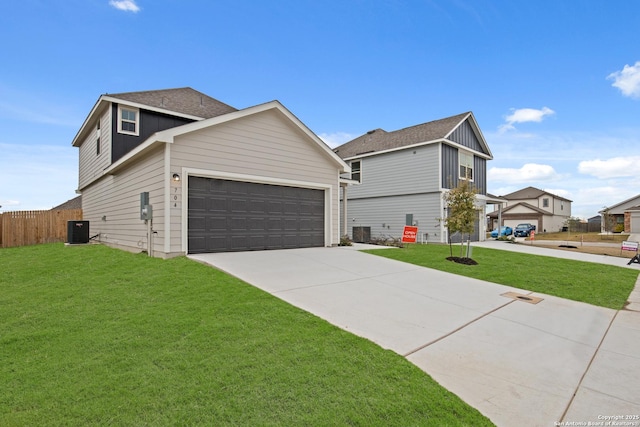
480	172
449	166
150	122
450	172
464	135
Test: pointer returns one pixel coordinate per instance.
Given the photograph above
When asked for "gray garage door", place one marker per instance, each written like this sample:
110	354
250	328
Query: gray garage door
226	216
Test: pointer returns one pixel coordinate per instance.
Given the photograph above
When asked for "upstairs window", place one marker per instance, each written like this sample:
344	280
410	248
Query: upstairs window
98	146
465	160
128	120
545	202
356	171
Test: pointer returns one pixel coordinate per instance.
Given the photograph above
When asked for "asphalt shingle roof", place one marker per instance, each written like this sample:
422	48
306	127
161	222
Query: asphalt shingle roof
530	193
381	140
181	100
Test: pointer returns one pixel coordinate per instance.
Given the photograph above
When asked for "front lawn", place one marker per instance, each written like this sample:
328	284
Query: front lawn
597	284
96	336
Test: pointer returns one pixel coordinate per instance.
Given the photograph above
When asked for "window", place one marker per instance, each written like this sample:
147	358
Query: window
545	202
98	146
128	120
466	165
356	171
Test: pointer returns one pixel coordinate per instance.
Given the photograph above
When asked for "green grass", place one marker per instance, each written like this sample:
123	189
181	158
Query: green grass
96	336
597	284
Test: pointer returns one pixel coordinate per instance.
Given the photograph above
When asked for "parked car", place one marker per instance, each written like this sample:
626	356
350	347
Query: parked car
524	230
504	231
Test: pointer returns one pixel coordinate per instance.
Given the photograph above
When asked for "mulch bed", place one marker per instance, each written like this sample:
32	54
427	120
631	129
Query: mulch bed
462	260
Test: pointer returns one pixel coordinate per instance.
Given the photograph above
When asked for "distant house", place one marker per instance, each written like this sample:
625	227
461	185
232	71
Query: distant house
175	171
547	211
75	203
625	216
400	178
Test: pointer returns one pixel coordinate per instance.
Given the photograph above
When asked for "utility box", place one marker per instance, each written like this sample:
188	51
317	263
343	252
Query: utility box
77	232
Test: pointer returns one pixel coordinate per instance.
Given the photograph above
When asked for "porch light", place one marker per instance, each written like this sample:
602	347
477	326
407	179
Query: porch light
176	177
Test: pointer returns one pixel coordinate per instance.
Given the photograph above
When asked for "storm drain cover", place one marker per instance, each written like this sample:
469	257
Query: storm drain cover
522	297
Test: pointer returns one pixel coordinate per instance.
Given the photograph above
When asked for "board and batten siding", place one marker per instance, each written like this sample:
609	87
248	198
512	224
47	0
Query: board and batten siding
451	172
409	171
465	136
264	144
391	212
92	164
116	198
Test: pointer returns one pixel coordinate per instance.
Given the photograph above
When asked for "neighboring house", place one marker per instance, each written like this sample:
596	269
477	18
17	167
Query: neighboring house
175	171
400	178
625	216
547	211
75	203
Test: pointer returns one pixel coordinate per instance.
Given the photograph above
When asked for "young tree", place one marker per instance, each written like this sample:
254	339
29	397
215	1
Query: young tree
608	220
462	212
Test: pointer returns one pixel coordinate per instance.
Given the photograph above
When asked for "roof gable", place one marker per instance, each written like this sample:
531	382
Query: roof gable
181	102
525	205
461	129
167	136
531	193
619	208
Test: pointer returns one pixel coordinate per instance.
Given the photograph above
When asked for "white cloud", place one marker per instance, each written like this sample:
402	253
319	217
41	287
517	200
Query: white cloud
611	168
126	5
627	80
526	174
336	138
524	115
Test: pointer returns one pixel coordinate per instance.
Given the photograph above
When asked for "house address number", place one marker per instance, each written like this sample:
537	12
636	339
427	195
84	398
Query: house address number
175	198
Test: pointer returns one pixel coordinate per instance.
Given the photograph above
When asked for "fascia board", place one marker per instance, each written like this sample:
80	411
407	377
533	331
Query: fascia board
104	99
390	150
170	134
76	139
462	147
150	142
420	144
150	108
477	131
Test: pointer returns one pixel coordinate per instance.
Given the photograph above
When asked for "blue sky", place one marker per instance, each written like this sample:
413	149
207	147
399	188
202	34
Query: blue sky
554	85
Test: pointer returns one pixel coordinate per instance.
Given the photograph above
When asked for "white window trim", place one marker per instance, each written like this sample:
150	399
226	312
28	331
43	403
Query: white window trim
359	170
137	121
473	172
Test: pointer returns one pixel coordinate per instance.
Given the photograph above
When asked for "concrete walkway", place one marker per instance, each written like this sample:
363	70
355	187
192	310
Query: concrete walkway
517	362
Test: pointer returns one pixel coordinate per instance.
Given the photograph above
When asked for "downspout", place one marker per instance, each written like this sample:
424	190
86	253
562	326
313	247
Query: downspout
345	231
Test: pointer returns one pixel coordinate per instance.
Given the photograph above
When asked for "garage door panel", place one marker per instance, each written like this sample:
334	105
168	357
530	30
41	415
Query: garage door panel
216	223
216	204
228	215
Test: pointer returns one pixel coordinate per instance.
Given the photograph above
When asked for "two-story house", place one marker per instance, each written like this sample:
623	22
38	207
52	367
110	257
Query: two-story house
175	171
547	211
400	178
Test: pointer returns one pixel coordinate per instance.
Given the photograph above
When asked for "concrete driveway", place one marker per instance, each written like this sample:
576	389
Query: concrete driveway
518	360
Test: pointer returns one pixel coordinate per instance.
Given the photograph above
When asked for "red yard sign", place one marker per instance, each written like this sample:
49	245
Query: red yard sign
410	234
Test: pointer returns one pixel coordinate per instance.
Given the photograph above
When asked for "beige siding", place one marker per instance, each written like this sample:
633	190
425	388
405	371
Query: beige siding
117	199
265	144
92	164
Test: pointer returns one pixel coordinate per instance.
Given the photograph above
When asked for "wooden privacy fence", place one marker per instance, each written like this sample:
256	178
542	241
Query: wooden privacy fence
21	228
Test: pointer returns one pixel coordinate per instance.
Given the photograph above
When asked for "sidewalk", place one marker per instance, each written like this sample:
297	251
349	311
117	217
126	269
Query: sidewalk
546	248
